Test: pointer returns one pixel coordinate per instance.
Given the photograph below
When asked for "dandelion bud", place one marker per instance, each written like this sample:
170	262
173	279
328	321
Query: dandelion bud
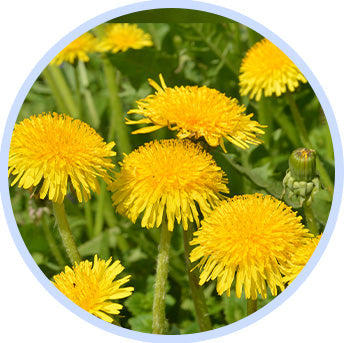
302	164
301	181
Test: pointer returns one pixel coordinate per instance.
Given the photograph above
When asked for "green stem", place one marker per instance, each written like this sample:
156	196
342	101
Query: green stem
77	91
265	118
99	218
251	306
118	127
324	177
61	107
300	126
311	222
51	241
89	218
288	128
159	320
197	294
64	90
91	111
66	233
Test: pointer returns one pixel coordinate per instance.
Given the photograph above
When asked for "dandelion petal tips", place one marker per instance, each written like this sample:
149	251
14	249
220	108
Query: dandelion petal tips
168	177
197	112
249	238
267	70
50	150
77	50
121	37
300	259
93	287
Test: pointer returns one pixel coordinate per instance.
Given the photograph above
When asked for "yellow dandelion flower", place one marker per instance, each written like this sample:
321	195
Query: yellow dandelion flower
300	259
93	287
47	151
121	37
265	68
168	177
250	238
197	112
77	50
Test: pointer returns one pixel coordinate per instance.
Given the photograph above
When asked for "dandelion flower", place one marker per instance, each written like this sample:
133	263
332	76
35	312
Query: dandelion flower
265	68
47	151
168	177
251	238
121	37
77	50
197	112
93	287
300	258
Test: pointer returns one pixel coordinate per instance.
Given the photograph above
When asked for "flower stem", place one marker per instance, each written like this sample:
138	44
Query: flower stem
251	306
159	320
99	218
78	91
66	233
91	109
60	105
64	90
197	294
117	124
51	241
311	222
300	125
265	118
324	177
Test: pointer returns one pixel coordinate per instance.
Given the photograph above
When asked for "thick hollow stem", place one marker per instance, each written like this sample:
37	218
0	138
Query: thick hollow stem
251	306
66	233
159	320
197	294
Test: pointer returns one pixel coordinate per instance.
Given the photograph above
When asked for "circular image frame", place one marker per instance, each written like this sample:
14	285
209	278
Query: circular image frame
192	5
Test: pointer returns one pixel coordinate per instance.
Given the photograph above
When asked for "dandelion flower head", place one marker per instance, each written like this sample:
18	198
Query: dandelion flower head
77	50
49	150
300	258
197	112
266	69
93	287
121	37
250	238
168	177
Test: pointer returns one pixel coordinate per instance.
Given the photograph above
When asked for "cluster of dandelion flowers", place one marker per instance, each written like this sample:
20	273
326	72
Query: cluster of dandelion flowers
168	177
121	37
77	50
266	69
49	150
93	286
300	258
197	112
251	238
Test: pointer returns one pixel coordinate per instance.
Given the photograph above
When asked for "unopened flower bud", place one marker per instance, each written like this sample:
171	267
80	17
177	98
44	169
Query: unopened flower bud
302	164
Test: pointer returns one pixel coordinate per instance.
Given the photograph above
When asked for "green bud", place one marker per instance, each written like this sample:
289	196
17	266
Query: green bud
302	164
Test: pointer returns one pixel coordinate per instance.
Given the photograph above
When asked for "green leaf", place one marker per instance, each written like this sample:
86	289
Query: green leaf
100	244
321	206
260	176
139	65
142	322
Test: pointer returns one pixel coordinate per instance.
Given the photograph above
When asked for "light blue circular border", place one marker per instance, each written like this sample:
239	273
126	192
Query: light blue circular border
186	4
